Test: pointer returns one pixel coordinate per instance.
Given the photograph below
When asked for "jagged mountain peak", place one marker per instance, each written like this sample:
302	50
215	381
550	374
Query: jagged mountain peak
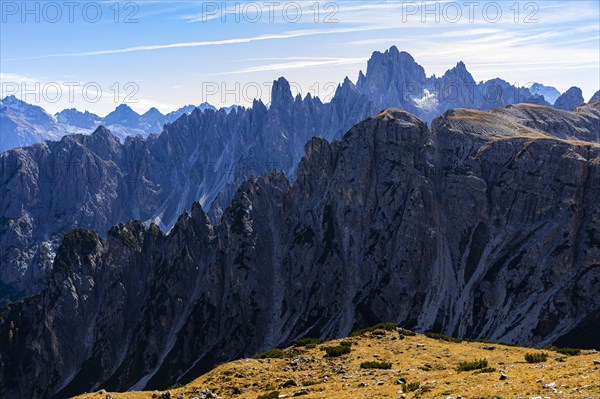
122	115
258	105
460	71
14	102
124	108
281	93
12	99
361	78
391	56
102	131
403	56
345	87
595	97
205	105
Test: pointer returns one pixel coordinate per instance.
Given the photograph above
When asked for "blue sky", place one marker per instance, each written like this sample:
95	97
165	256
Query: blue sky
171	53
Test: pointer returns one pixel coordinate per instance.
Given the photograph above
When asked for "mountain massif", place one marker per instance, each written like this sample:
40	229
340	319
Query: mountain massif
99	180
484	225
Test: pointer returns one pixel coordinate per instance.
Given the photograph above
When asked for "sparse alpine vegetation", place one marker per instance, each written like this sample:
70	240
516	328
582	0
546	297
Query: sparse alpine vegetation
378	365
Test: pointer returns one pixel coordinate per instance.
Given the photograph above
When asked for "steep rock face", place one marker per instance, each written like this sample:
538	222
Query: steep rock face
595	97
570	99
485	226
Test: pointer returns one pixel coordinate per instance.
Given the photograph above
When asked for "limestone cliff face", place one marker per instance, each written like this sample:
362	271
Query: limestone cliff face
485	225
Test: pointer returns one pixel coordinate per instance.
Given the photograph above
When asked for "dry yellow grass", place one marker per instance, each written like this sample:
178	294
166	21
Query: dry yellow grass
434	366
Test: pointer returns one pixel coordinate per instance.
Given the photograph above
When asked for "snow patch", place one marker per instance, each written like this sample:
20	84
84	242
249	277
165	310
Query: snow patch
428	102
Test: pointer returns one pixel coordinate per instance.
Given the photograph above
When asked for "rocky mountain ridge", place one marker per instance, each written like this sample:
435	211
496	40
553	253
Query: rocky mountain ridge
485	225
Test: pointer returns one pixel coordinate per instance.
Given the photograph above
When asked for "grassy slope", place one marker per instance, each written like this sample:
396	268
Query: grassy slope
342	377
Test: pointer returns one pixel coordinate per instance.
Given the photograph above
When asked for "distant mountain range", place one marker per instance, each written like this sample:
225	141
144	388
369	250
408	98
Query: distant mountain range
25	124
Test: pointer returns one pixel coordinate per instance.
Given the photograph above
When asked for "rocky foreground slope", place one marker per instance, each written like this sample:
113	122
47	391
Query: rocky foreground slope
414	366
487	225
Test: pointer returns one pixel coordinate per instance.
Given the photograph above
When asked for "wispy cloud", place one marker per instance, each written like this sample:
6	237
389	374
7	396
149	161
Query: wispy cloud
301	64
276	36
470	32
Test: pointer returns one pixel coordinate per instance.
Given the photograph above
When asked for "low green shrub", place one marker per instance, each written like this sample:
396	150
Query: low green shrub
271	395
485	341
565	351
406	332
472	365
272	354
379	326
308	341
411	386
337	351
376	365
536	357
442	337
